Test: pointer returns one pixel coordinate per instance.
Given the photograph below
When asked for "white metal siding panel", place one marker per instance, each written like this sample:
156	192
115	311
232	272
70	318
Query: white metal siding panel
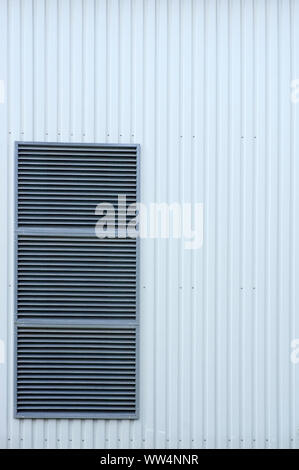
204	87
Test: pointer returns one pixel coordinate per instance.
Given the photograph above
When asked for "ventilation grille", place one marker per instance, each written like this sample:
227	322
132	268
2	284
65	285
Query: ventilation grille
76	277
76	294
75	371
61	185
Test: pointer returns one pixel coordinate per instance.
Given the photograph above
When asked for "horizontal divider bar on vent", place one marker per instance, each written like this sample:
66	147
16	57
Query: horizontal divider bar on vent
76	294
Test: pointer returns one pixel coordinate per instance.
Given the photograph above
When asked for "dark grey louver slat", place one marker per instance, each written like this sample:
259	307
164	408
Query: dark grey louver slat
76	295
46	263
62	370
61	185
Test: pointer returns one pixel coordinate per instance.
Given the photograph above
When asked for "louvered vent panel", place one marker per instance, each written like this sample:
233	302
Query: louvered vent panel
62	185
76	370
76	277
76	295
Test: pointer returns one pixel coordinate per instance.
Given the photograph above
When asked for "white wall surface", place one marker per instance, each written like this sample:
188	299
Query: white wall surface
205	88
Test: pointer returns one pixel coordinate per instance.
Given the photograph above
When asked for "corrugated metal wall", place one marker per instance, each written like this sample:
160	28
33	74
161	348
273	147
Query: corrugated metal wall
204	87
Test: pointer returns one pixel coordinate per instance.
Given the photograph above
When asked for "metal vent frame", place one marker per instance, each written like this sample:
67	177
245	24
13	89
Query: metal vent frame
76	323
